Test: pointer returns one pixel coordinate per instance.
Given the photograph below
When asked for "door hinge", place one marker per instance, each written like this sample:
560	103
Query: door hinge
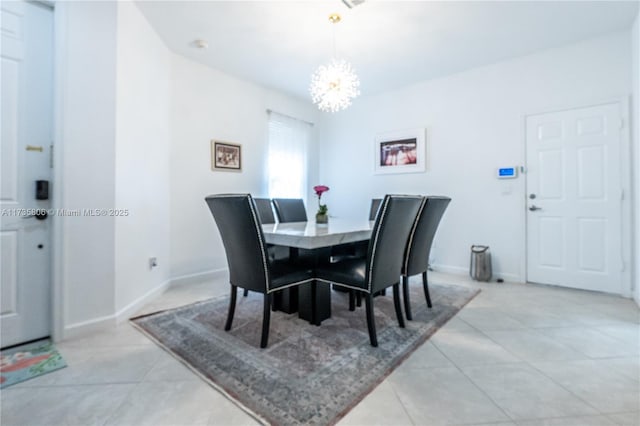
623	266
621	194
51	156
622	123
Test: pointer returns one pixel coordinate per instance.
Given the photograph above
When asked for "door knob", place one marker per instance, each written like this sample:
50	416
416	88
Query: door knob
39	215
533	208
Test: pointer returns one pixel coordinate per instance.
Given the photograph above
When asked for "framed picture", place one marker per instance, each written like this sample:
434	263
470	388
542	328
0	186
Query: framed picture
226	156
401	151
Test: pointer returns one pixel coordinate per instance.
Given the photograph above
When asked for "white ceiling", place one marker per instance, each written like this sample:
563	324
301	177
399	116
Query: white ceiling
391	44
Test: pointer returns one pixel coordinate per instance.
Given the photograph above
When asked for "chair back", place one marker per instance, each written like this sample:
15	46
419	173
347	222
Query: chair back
290	210
389	239
237	220
421	237
375	206
265	212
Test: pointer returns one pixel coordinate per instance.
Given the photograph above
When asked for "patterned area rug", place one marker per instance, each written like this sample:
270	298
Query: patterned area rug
307	375
27	361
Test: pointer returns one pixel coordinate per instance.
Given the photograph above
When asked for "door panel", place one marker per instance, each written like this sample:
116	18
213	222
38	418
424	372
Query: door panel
26	60
9	265
592	244
573	198
551	175
551	248
592	176
9	171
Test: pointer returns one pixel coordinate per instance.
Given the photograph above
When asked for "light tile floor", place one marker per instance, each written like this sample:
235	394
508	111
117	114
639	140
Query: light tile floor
516	355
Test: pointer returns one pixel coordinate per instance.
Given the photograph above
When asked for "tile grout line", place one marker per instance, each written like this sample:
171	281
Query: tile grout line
527	362
564	387
475	385
395	393
122	403
594	329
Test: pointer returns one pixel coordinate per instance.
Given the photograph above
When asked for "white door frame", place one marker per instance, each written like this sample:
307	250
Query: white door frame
625	176
57	225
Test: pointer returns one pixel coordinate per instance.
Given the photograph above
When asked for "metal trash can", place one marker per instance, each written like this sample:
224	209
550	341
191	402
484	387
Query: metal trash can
480	266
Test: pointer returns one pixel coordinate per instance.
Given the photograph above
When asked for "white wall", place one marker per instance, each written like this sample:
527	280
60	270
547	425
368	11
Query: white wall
143	134
474	124
635	121
207	104
134	124
85	158
113	136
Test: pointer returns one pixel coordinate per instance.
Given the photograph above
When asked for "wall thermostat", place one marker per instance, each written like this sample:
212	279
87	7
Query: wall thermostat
507	173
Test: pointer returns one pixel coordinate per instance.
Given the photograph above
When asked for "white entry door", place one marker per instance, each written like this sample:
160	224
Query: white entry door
574	198
26	52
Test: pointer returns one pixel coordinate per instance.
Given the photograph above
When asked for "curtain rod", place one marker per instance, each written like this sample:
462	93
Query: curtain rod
269	111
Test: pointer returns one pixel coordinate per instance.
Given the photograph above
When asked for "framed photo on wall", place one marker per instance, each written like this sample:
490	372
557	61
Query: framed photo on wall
400	151
226	156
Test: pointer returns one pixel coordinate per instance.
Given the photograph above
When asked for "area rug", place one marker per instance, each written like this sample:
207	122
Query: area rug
308	374
27	361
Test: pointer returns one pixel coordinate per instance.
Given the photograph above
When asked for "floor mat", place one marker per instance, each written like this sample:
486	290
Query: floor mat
30	360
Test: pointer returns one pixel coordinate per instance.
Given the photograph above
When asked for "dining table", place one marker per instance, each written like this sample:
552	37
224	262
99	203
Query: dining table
312	300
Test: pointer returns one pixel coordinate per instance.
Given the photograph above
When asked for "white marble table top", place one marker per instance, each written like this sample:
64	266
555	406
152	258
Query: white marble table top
309	235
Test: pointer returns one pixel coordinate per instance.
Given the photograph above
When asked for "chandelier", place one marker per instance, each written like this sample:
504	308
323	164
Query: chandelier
333	86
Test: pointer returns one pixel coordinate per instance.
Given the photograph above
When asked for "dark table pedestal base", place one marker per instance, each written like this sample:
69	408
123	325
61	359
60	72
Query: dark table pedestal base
286	300
314	295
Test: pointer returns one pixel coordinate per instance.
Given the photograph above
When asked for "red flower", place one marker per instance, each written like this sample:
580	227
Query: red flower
320	189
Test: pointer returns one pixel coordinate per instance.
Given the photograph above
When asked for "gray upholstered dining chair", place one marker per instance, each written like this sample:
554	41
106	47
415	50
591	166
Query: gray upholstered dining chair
290	210
416	259
249	265
358	249
382	266
375	206
265	212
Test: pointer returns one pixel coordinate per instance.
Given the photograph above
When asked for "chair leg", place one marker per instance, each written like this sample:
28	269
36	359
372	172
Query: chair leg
273	302
266	319
425	286
232	307
396	304
352	300
407	300
368	303
246	292
358	299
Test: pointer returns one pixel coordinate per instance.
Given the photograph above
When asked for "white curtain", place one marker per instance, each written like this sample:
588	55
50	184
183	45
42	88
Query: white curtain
287	166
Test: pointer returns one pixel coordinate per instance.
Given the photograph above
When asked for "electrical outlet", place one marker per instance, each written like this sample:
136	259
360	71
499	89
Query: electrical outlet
153	262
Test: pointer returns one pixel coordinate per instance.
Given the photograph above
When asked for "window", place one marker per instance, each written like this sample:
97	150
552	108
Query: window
287	166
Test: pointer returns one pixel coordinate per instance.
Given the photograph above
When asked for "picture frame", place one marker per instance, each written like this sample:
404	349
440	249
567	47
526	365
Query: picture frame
226	156
400	151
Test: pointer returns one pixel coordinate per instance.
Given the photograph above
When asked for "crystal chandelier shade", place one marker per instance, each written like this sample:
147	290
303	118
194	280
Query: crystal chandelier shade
334	86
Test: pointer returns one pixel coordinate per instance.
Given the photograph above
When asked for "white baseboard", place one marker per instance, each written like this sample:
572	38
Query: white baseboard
199	277
126	312
107	322
458	270
84	328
